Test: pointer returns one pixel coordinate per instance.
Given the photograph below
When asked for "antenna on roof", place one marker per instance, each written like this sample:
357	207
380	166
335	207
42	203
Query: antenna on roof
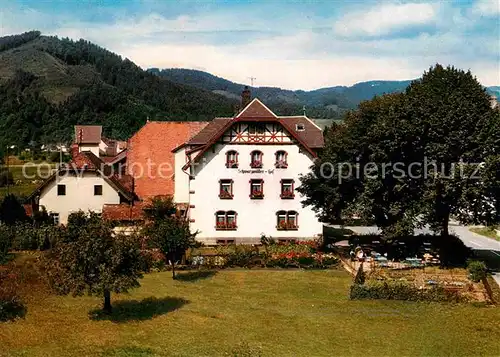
252	79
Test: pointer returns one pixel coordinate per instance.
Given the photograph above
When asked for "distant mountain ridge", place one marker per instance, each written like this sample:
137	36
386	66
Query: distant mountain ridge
336	98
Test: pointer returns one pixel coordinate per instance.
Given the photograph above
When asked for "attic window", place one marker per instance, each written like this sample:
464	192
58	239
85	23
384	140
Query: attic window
300	127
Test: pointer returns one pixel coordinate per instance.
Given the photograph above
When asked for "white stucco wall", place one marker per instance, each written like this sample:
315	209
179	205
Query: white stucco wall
92	148
79	195
255	216
181	178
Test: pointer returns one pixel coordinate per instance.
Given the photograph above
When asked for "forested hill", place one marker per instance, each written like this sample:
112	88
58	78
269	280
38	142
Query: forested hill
48	84
337	98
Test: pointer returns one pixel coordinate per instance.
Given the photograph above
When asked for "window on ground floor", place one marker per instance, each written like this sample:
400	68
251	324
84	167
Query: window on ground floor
225	220
286	220
55	218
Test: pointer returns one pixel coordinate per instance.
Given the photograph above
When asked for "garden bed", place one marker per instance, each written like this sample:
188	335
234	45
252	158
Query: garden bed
421	284
284	255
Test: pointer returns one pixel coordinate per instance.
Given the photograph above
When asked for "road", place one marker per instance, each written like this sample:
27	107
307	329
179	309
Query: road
485	248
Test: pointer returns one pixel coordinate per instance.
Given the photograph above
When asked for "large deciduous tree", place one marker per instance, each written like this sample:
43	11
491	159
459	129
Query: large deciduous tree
458	131
352	175
167	231
431	152
95	261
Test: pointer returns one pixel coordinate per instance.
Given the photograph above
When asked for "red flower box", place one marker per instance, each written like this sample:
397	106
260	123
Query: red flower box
256	164
225	195
284	226
287	194
257	194
281	164
225	225
232	164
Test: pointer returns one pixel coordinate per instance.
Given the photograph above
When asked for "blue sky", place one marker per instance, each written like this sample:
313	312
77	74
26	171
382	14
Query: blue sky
293	44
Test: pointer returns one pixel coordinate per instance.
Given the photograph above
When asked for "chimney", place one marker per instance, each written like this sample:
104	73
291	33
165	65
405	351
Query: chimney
246	97
74	150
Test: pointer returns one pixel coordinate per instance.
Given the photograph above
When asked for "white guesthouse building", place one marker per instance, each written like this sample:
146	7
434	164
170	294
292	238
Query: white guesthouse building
239	176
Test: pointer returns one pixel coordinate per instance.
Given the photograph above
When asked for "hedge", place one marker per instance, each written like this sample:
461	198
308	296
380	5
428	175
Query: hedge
402	291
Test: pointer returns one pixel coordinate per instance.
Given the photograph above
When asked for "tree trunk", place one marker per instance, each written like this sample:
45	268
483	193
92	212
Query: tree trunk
444	225
107	302
172	261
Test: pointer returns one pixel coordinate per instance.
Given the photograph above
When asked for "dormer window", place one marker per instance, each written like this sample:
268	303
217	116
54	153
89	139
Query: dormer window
281	157
232	159
300	127
256	159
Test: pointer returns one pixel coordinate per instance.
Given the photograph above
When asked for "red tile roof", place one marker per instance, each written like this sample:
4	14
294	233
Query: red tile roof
209	131
88	134
256	109
311	137
87	161
123	212
150	149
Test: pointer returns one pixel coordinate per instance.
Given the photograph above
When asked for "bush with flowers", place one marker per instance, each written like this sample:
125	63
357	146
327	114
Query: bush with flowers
272	254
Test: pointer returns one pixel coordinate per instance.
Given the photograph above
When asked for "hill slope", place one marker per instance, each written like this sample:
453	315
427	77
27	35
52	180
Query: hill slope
48	84
338	97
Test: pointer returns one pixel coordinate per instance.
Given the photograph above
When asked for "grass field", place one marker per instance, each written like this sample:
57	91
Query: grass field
26	179
250	313
486	231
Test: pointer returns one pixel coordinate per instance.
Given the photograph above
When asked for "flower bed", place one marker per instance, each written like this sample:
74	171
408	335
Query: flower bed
277	255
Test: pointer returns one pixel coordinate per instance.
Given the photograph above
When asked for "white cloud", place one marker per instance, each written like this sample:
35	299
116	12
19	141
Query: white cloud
486	7
301	58
383	19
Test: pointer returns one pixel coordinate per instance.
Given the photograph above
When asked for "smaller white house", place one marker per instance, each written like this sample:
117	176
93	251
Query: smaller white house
84	185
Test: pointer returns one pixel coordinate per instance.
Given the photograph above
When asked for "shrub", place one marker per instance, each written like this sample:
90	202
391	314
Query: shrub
402	291
6	237
27	237
360	276
477	270
11	305
6	178
240	255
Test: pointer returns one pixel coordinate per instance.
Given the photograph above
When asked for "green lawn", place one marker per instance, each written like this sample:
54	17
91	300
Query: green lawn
26	178
247	312
487	232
